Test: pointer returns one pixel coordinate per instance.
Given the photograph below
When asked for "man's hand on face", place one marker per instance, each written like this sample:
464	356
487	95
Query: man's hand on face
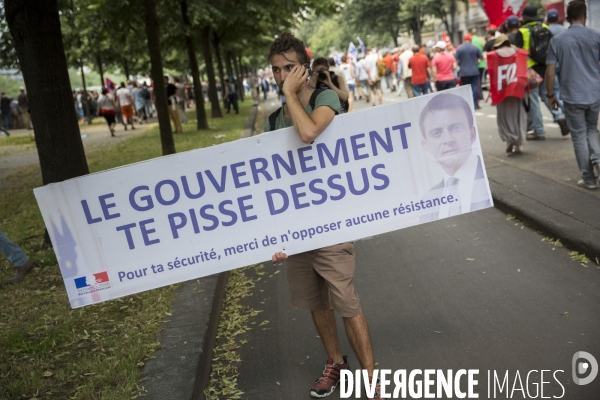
295	80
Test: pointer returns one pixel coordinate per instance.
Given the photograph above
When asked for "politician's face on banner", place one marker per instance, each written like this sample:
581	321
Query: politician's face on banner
447	130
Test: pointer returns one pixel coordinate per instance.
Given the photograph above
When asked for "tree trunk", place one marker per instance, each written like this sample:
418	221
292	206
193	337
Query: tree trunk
200	111
36	34
238	70
156	69
100	70
217	48
210	71
454	31
86	101
228	63
126	68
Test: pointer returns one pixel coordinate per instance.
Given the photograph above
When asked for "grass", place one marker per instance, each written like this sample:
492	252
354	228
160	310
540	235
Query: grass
50	351
19	140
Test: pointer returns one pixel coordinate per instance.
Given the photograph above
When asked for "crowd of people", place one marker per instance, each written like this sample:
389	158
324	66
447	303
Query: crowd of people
15	112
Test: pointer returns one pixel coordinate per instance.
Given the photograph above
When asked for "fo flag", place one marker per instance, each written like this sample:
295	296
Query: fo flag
508	75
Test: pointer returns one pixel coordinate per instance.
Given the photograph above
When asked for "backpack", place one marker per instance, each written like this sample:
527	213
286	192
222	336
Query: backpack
380	68
539	41
274	114
145	94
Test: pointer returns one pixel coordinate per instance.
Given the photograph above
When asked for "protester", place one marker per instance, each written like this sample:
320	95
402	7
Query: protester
371	61
189	92
533	31
490	39
21	263
577	51
24	107
147	95
231	96
108	109
125	100
139	101
181	96
421	69
507	93
478	42
350	77
406	71
442	68
254	87
316	275
468	57
362	78
512	27
323	78
172	103
556	28
6	111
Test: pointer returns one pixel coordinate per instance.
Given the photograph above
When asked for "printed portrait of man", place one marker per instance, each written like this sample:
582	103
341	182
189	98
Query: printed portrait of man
448	134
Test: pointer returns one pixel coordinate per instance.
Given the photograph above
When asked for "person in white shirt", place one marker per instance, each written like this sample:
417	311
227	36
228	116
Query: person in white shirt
125	100
362	78
448	134
348	71
374	80
406	72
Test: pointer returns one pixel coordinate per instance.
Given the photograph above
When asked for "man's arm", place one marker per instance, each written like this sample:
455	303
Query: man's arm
308	127
550	80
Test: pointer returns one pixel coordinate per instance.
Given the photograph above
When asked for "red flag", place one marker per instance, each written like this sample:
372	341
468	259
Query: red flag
110	85
499	10
508	75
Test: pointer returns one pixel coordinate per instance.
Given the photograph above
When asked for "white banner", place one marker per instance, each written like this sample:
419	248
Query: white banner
205	211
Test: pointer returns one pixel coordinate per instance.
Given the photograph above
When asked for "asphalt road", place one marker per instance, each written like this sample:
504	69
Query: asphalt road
477	291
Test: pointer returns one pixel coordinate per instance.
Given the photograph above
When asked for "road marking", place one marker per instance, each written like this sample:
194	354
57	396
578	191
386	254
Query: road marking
548	118
552	125
491	116
479	114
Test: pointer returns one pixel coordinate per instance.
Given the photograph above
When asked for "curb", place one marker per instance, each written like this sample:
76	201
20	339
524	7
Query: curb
181	369
551	215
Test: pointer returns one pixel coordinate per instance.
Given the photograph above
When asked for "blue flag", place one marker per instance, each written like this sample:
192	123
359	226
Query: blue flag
362	45
353	52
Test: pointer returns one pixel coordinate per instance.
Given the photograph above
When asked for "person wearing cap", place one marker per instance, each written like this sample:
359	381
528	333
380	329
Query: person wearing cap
531	20
512	27
442	68
552	20
468	57
577	51
511	115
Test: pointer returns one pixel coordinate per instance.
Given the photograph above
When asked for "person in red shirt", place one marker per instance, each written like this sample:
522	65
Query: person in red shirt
421	67
443	66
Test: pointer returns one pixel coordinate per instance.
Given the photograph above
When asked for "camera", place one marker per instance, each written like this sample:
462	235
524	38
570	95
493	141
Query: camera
323	75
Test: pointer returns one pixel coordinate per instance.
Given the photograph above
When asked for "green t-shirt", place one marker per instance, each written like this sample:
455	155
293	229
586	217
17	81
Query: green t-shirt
327	98
478	42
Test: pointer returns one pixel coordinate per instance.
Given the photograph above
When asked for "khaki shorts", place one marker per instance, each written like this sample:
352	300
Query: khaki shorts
376	85
319	275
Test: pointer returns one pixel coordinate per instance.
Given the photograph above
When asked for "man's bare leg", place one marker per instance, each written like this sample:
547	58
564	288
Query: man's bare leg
372	94
380	94
326	326
360	339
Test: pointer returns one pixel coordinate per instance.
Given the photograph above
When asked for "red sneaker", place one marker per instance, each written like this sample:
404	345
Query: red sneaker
327	383
377	393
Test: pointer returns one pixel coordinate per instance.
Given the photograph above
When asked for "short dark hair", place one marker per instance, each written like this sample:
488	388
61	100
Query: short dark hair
576	10
344	58
491	32
331	62
416	48
320	61
287	42
445	101
104	90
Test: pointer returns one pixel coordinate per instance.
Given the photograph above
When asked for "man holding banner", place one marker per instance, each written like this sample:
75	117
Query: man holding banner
317	275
